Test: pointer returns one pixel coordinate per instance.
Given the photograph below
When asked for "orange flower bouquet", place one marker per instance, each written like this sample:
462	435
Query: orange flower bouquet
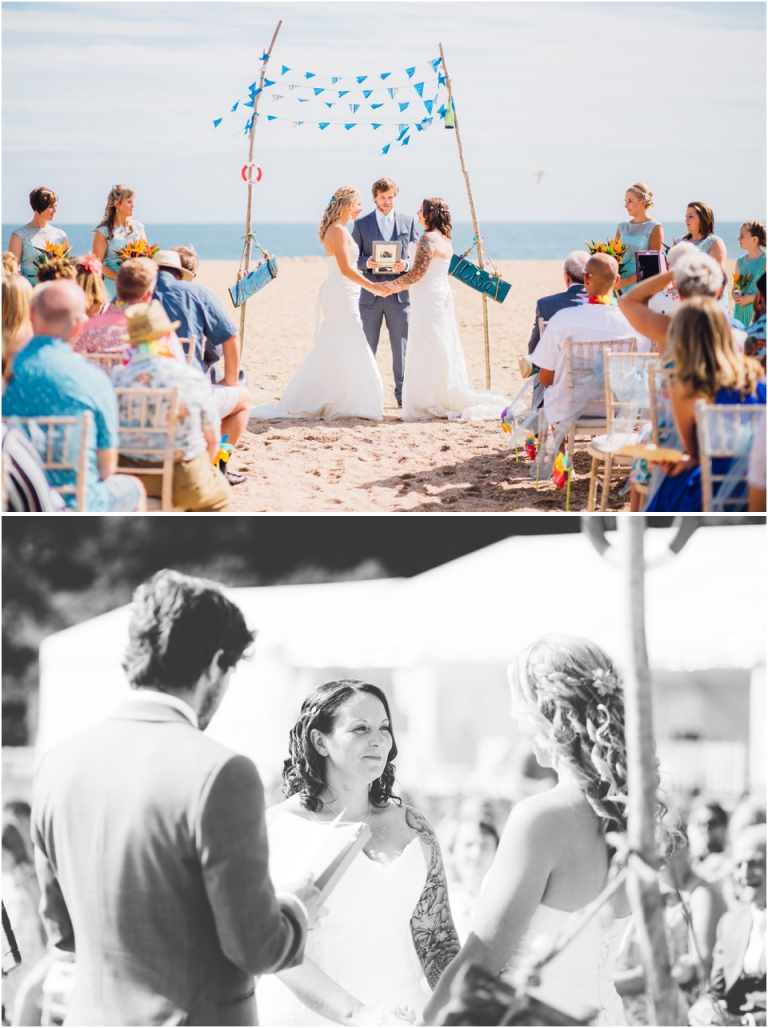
137	248
740	282
52	252
614	248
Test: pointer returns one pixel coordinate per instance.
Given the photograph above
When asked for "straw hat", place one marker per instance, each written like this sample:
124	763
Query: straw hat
147	322
170	259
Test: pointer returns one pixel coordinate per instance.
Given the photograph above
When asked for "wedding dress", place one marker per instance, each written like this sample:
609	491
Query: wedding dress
436	383
339	377
581	976
364	942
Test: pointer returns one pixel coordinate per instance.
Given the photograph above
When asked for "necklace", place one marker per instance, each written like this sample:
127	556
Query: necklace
343	820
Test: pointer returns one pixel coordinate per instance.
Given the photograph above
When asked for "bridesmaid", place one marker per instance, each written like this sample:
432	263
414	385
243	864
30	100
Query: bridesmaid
700	222
751	239
27	242
641	232
116	229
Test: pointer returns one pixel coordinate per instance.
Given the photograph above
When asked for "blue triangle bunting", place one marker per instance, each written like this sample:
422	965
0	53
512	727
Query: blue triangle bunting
392	92
327	104
403	106
303	99
350	125
385	149
335	78
376	106
285	69
435	63
324	124
385	74
441	111
406	141
343	92
247	103
237	104
410	72
309	75
318	90
403	129
361	78
428	104
419	87
268	82
252	86
354	107
375	126
419	128
264	57
217	122
271	117
441	80
367	93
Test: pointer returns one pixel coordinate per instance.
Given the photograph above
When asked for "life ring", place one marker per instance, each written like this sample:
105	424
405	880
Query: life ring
244	173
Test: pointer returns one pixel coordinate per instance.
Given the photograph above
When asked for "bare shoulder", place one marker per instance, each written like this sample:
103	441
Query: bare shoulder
541	817
290	806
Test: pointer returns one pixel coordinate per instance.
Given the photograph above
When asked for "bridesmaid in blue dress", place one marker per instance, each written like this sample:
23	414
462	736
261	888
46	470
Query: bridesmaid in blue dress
27	243
641	232
751	239
700	222
116	230
706	366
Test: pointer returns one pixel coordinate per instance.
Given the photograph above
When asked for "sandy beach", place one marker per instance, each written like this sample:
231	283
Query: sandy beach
389	466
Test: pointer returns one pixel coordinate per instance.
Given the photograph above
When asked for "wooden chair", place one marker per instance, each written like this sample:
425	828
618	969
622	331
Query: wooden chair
189	344
725	431
105	361
603	448
62	442
147	418
542	325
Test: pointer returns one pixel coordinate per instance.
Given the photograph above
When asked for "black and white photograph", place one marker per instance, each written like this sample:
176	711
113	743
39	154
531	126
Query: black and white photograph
493	772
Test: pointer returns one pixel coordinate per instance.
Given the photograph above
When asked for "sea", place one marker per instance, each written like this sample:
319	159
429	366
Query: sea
518	241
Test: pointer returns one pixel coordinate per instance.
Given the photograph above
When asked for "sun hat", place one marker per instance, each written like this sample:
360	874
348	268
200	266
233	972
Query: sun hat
170	259
147	322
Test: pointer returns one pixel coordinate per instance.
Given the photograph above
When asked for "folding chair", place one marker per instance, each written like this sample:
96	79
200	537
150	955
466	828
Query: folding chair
62	442
626	395
189	344
725	432
105	361
147	420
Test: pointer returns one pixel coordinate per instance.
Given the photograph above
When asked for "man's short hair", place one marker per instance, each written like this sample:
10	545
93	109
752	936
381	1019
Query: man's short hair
60	304
178	624
603	269
575	263
135	278
189	258
698	274
383	185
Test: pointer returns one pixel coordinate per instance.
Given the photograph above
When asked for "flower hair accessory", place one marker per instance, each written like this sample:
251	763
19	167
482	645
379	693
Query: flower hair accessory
646	196
604	682
332	200
91	263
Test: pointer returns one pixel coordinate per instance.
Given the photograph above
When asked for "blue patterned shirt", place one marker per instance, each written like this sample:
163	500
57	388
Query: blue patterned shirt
200	313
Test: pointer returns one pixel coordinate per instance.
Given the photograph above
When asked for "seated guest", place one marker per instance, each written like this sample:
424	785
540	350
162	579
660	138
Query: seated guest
755	344
546	306
736	993
706	365
197	484
90	279
189	259
10	264
201	315
105	333
597	318
49	379
55	269
708	838
25	484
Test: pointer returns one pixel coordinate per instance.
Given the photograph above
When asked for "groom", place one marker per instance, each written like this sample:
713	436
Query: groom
151	845
383	224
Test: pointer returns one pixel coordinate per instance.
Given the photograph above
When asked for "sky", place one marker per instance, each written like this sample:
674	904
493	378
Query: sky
596	96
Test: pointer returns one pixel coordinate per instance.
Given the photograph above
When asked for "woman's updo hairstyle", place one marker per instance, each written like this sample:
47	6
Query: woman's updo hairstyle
117	194
437	216
341	199
304	769
642	192
756	228
575	686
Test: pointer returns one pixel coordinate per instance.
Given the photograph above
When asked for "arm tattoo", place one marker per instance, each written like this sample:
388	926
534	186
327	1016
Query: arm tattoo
423	256
432	930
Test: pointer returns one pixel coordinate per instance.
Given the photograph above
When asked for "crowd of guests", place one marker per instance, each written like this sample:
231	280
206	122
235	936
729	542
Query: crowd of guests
58	310
683	315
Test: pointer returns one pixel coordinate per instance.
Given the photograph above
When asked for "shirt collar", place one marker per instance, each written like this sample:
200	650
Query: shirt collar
169	700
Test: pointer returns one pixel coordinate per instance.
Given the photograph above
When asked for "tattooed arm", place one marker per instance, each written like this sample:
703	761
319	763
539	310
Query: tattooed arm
432	930
424	253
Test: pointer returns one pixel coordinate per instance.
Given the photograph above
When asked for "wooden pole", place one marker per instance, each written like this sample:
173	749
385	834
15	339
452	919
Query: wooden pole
474	221
642	884
247	248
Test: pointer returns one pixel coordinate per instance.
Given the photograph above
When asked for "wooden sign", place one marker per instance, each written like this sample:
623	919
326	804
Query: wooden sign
479	279
253	282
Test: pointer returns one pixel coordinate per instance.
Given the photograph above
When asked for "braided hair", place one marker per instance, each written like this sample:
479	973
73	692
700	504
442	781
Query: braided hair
341	199
304	768
574	685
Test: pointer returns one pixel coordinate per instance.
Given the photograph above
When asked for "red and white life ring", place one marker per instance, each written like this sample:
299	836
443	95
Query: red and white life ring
244	173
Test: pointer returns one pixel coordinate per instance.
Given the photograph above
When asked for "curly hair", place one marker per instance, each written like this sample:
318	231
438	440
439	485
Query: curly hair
177	625
340	200
303	769
575	686
117	194
757	229
437	217
55	269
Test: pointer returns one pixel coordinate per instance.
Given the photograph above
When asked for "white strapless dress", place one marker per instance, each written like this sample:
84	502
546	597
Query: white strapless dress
364	943
581	976
436	383
339	377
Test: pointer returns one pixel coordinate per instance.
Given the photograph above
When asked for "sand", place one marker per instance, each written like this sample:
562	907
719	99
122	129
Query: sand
391	466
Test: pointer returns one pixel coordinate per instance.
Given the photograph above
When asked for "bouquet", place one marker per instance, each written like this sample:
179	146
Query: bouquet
614	247
137	248
740	282
52	252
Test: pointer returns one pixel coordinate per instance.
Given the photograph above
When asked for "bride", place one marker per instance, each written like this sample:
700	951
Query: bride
388	933
339	378
436	383
553	858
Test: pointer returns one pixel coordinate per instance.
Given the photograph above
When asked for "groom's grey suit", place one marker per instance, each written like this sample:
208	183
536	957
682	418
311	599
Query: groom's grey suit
151	851
393	309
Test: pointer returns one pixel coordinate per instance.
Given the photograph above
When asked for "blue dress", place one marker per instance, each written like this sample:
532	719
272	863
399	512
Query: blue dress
635	236
754	269
33	242
683	492
122	235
